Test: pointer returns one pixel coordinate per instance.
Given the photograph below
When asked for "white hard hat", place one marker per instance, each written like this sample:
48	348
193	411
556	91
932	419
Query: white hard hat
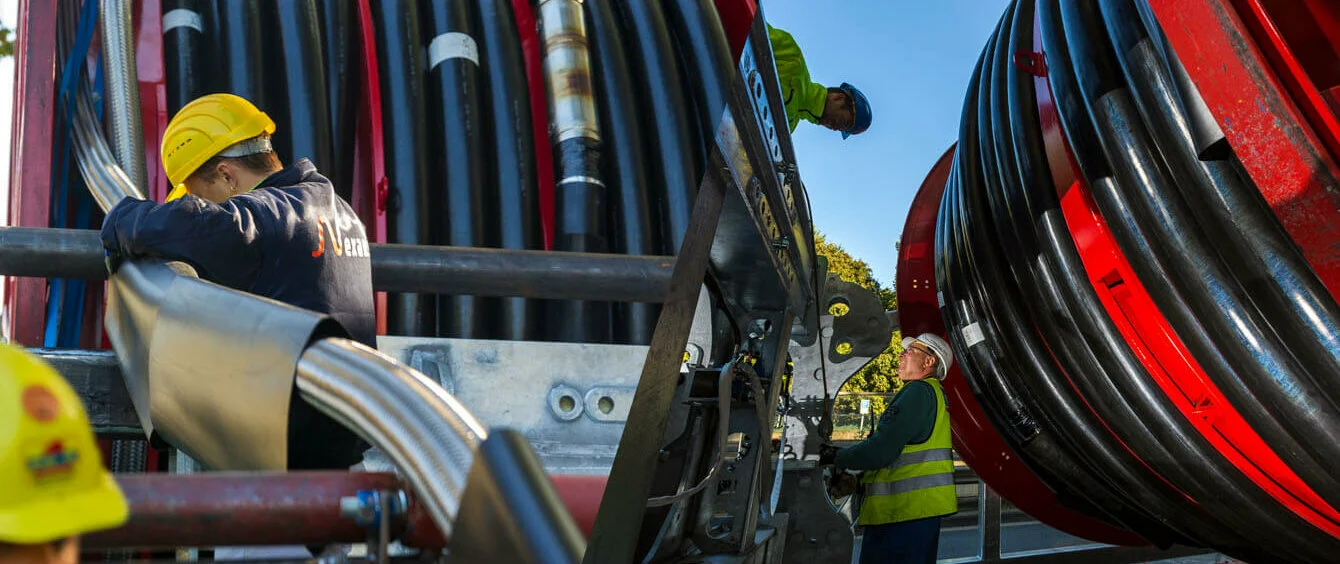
939	347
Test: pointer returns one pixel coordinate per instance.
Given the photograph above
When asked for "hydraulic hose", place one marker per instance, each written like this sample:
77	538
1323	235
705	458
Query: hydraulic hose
580	197
665	117
429	435
240	54
399	54
123	88
305	129
456	136
185	52
513	170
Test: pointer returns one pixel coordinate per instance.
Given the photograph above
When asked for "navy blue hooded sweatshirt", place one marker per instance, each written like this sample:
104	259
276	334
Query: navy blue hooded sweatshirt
291	239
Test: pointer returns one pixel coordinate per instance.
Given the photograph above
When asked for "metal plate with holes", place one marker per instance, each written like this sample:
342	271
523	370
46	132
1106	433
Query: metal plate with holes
570	400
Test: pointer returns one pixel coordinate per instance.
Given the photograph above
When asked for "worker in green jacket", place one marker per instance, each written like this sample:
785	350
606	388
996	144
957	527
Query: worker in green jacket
842	108
908	461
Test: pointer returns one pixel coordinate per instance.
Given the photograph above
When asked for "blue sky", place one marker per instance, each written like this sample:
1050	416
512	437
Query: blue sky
912	59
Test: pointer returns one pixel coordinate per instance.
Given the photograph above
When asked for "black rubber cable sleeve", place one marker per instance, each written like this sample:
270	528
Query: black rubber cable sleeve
304	131
664	118
625	161
1276	278
457	174
400	66
512	170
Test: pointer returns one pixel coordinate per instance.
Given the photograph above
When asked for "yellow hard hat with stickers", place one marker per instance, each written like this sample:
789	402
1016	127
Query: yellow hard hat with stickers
52	482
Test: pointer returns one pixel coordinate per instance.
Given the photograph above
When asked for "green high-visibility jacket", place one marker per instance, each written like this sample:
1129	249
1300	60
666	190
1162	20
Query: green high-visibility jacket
920	482
804	98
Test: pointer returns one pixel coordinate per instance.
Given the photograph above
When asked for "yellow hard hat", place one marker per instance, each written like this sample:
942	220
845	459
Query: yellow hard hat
204	128
52	482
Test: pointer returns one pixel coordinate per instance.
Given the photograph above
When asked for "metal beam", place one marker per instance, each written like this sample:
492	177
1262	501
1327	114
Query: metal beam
96	377
76	253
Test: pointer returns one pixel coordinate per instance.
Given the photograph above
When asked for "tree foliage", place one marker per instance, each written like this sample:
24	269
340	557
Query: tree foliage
6	42
881	375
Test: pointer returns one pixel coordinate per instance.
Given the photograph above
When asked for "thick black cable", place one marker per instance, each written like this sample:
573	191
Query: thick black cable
337	46
186	52
1218	305
456	134
1257	250
240	53
625	163
303	128
512	170
401	68
664	118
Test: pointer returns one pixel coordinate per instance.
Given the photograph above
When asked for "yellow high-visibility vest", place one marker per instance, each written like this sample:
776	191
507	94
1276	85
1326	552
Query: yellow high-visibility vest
920	482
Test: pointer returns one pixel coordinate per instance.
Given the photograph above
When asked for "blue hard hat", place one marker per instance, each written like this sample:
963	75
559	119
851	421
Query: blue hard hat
862	106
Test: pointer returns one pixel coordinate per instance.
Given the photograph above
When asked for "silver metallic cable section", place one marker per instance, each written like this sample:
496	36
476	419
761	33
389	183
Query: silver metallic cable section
123	98
106	180
567	65
429	435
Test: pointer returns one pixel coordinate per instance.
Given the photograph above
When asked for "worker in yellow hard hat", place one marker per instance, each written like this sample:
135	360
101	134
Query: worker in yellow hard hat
245	221
53	486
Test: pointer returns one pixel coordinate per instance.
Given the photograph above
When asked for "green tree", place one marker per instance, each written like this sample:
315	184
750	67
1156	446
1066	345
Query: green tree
881	375
6	42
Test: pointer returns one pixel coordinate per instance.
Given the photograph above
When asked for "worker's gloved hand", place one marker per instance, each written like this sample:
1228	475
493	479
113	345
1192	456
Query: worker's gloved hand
842	484
113	262
827	454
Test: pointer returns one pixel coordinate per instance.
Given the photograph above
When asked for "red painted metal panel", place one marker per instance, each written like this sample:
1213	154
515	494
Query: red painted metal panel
737	17
152	75
975	439
370	185
1283	155
539	116
1301	39
30	157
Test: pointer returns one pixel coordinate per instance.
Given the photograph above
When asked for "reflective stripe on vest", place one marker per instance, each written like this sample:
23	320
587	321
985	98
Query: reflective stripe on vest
920	482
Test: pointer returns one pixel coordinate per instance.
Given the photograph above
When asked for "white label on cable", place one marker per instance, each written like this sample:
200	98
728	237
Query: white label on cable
452	45
940	297
181	17
972	334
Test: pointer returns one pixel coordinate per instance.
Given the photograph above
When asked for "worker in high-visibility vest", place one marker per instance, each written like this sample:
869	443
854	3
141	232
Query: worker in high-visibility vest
53	486
244	221
908	462
841	108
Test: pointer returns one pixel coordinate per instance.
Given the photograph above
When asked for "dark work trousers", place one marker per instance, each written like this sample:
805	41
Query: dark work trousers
913	542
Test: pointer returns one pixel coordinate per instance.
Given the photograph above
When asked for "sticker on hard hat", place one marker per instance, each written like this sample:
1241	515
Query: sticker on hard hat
55	461
40	404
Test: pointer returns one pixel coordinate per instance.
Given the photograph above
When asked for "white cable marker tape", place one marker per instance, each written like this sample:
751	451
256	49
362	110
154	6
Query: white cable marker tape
972	334
940	298
452	45
181	17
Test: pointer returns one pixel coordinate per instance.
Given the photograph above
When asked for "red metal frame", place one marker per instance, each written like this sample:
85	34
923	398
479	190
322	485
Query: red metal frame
539	115
1161	352
975	439
1301	39
226	509
32	137
1281	152
369	177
